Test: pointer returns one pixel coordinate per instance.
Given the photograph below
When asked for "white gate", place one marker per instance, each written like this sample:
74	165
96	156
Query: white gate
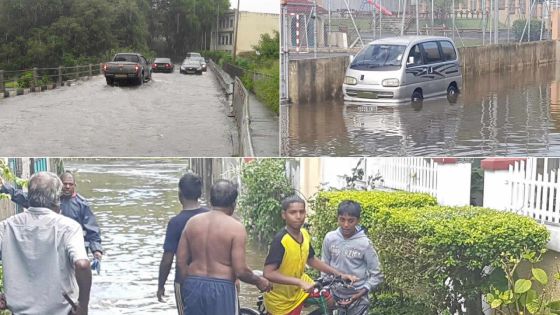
410	174
532	193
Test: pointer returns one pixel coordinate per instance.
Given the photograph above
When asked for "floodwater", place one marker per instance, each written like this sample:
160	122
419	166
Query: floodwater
133	201
172	115
514	113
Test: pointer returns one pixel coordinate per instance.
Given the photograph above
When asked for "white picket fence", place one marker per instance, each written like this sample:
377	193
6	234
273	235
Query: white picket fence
532	193
409	174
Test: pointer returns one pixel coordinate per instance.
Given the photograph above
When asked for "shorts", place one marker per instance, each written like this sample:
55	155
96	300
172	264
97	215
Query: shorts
209	296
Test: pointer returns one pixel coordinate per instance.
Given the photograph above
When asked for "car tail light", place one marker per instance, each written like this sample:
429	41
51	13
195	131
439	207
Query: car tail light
154	66
167	65
137	67
104	67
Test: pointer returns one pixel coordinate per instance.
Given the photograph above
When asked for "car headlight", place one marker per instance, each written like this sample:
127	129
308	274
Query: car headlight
350	81
390	82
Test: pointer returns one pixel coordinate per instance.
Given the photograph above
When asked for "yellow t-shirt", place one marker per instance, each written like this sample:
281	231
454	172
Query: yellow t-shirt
290	257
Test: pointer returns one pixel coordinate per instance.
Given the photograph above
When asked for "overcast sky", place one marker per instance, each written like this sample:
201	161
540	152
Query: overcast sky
269	6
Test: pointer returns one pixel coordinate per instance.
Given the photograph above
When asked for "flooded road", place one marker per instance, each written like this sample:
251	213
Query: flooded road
133	201
168	116
512	113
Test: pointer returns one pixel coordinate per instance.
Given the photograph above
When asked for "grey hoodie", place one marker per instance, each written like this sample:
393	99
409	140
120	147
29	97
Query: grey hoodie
355	256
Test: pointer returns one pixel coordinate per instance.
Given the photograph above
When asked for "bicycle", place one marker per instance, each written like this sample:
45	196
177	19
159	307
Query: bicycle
325	289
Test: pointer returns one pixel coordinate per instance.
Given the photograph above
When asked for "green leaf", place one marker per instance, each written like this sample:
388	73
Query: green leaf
496	303
540	275
554	307
522	286
533	307
490	297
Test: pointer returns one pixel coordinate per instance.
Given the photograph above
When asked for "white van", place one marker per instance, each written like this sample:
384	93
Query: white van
401	69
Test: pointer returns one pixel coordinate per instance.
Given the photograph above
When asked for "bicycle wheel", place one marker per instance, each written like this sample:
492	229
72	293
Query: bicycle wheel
248	311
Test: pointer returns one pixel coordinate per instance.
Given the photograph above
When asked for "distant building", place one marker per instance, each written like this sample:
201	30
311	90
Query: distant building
251	26
24	168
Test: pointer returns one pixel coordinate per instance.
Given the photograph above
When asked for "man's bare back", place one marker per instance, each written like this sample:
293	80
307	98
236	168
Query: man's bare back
214	239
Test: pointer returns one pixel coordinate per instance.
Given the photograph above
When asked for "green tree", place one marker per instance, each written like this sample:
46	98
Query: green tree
264	185
268	47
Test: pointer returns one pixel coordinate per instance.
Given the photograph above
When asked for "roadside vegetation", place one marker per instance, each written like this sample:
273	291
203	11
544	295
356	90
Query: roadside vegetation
49	33
260	68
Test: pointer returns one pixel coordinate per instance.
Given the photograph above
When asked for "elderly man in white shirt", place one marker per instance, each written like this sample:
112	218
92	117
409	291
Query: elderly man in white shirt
43	255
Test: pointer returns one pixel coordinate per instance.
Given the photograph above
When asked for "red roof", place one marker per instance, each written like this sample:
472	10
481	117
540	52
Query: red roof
303	6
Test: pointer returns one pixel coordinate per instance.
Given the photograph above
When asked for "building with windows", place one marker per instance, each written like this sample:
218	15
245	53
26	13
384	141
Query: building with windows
251	26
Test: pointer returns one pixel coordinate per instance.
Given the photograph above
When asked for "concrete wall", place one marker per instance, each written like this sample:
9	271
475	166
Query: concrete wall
316	80
252	25
478	60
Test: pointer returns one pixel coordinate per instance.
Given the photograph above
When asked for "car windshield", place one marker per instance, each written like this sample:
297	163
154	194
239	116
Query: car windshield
191	61
378	56
162	60
129	58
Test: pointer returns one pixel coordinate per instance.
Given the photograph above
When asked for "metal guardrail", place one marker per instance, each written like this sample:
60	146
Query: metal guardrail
223	78
43	77
241	110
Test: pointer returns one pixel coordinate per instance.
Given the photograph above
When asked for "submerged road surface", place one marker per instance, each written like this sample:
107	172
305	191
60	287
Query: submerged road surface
172	115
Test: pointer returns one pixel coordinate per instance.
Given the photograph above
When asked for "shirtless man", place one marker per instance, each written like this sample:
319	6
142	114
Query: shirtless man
211	256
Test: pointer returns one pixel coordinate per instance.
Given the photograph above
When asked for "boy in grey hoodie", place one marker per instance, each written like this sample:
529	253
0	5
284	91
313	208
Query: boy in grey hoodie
349	250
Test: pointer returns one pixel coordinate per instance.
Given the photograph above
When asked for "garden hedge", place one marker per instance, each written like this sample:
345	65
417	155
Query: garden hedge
437	254
432	254
325	204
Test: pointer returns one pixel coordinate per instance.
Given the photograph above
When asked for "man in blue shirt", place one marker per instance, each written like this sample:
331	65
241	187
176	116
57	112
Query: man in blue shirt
72	205
190	190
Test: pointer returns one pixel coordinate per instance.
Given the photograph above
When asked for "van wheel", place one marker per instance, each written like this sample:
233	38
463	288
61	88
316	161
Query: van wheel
417	96
452	94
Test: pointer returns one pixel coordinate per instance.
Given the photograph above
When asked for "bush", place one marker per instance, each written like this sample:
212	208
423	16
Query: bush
519	25
325	205
267	90
264	185
436	255
25	80
392	303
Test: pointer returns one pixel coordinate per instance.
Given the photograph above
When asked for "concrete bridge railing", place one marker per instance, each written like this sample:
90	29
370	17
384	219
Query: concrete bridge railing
41	79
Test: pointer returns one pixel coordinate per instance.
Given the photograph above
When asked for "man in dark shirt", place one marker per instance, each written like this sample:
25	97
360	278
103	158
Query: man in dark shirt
72	205
190	189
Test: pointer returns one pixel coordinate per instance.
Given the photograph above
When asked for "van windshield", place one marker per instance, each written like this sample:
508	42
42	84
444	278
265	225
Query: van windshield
379	56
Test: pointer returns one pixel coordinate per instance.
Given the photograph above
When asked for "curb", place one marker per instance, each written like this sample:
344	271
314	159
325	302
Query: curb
19	91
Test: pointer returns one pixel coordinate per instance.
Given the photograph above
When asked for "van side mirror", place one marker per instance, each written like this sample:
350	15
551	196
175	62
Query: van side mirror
410	60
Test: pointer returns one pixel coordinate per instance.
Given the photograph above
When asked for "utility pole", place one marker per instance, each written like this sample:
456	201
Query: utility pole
235	32
432	33
403	18
496	21
417	19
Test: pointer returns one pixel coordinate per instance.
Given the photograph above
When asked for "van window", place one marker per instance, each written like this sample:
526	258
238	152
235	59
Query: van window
417	54
431	52
448	51
377	56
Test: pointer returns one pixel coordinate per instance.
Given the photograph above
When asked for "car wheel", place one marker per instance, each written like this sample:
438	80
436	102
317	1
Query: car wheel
417	96
452	94
110	81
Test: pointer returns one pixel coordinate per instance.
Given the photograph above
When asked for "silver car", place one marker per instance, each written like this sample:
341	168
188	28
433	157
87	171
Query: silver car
191	65
401	69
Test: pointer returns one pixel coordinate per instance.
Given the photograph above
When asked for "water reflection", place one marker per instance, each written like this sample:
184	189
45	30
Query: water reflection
133	200
510	113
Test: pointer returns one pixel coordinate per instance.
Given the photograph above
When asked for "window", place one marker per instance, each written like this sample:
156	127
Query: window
231	22
448	50
378	56
431	52
417	55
